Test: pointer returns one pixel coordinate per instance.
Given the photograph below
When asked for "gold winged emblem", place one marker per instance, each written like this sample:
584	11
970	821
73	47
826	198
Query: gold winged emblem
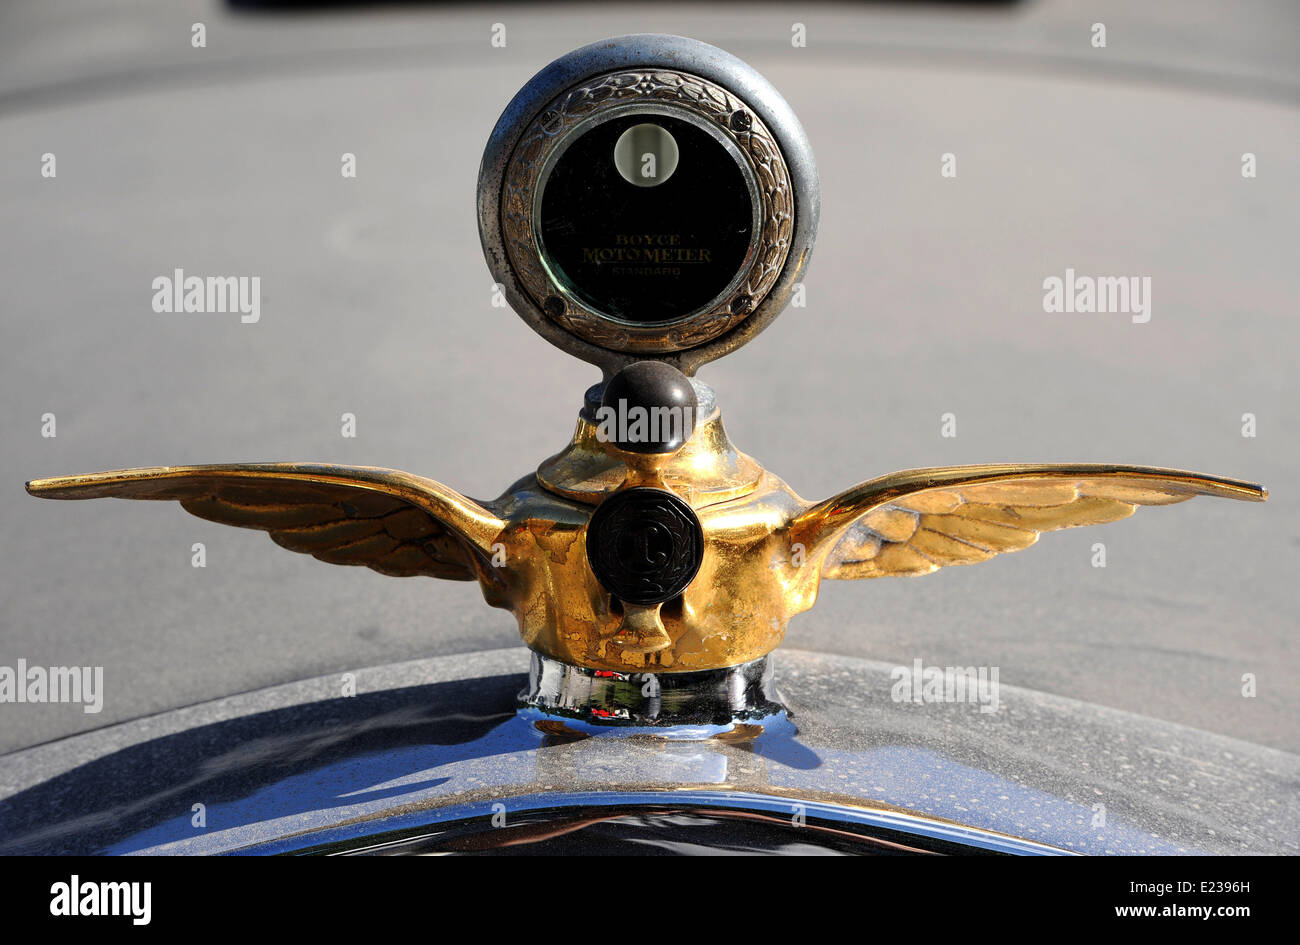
918	521
636	551
393	522
763	553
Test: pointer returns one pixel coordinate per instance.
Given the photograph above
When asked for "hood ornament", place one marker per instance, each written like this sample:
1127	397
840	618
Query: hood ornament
648	204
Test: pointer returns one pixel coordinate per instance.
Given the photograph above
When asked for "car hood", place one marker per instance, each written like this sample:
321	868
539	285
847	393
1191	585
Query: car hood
433	744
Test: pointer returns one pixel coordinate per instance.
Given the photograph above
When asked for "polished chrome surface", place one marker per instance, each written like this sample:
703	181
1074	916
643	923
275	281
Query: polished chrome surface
688	823
740	699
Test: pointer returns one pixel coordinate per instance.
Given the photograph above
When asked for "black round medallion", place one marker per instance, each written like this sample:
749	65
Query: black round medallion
652	408
644	545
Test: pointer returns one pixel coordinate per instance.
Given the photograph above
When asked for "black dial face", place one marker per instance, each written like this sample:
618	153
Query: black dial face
646	218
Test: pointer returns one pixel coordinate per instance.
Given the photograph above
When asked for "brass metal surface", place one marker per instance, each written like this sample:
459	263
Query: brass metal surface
393	522
708	468
920	520
766	550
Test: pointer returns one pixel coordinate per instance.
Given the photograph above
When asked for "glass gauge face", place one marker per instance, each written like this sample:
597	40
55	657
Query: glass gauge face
646	219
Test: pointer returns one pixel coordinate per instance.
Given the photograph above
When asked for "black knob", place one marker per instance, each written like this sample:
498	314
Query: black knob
644	545
648	407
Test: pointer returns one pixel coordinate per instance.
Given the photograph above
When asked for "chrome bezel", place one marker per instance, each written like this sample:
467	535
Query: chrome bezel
654	54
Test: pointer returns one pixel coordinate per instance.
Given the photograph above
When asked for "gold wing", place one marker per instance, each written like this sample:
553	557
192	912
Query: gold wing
918	521
390	521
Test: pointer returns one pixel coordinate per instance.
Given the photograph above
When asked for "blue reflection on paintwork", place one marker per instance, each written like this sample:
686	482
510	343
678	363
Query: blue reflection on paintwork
514	755
358	787
308	768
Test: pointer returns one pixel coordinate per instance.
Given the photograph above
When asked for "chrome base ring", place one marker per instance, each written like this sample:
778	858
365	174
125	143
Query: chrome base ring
684	705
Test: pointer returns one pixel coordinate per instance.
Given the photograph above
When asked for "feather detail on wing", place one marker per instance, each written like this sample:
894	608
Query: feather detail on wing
387	520
918	521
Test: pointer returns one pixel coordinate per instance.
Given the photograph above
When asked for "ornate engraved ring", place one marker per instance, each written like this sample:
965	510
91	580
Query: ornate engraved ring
633	94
